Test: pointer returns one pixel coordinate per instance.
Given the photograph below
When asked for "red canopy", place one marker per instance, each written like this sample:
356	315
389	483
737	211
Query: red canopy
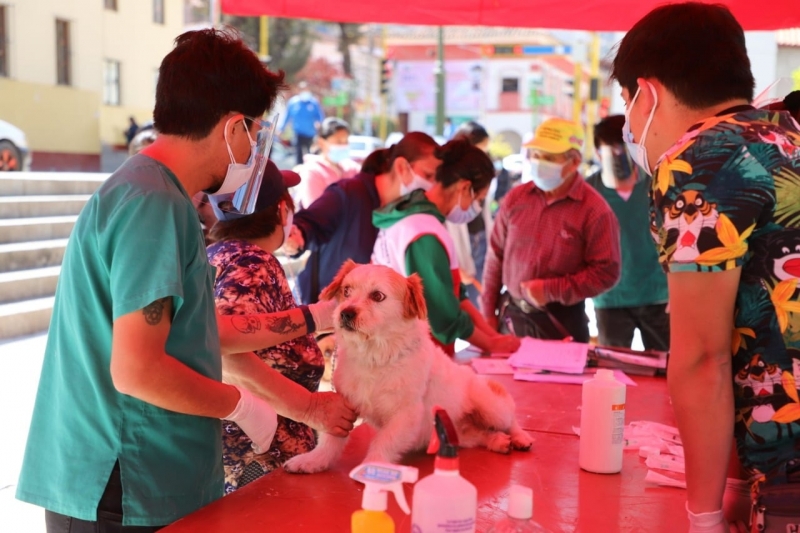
598	15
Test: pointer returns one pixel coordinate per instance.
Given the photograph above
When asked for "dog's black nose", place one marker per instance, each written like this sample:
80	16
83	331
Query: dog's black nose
348	314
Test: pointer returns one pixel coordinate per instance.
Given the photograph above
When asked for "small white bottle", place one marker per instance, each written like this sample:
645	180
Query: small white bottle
602	423
520	513
444	501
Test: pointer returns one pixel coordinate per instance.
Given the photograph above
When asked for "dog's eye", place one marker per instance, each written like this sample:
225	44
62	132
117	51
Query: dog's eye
377	296
347	291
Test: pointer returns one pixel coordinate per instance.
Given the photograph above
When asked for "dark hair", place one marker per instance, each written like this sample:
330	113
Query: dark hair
413	146
609	131
696	50
332	125
209	74
259	224
462	160
471	131
792	104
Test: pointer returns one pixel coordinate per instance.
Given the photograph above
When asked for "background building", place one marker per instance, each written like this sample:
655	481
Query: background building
73	71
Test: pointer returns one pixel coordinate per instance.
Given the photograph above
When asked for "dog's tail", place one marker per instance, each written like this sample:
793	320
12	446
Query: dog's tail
492	405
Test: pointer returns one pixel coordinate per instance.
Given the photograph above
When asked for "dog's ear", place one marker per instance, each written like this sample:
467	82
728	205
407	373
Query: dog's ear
332	291
414	303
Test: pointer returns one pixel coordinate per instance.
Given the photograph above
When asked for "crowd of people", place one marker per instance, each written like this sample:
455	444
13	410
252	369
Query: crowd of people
188	369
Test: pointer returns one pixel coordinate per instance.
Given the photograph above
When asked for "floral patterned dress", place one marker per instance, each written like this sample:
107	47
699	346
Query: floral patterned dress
250	280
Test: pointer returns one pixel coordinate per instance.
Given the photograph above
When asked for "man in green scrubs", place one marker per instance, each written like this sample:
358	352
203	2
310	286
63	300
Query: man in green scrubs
126	429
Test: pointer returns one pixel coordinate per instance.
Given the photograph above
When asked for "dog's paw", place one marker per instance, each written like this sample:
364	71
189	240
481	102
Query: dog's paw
305	463
521	440
499	442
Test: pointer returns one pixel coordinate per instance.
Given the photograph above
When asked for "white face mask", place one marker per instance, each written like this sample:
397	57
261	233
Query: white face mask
546	175
417	182
287	228
459	215
638	151
238	173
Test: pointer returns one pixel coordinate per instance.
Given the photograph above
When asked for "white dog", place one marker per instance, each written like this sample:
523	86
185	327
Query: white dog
390	370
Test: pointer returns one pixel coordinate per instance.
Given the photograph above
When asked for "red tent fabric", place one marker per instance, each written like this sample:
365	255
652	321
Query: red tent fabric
597	15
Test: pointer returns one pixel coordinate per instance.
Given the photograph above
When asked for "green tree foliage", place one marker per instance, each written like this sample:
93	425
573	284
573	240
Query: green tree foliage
290	41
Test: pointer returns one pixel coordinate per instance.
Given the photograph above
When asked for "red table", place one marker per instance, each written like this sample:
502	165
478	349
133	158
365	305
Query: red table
566	499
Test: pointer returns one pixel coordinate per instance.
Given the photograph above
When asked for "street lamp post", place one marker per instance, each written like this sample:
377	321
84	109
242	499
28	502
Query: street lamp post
440	82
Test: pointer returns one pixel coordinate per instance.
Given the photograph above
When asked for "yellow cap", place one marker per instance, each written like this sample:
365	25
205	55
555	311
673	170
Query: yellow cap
556	136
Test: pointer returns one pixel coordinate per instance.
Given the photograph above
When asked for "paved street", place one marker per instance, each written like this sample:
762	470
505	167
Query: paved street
20	363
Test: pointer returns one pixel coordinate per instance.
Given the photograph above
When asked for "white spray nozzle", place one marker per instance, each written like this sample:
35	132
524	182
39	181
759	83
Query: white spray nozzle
380	478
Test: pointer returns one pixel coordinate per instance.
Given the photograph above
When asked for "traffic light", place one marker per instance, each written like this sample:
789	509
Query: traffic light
386	75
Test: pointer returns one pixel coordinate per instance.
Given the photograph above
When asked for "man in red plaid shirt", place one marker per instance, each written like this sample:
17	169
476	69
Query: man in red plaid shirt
555	243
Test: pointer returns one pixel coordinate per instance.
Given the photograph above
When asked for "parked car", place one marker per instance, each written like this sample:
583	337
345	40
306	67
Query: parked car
362	145
14	152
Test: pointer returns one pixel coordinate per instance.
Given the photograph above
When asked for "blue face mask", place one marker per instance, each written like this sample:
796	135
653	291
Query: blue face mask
338	152
459	215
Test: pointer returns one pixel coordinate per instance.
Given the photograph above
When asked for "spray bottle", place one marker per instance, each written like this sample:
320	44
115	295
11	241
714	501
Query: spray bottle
378	479
444	501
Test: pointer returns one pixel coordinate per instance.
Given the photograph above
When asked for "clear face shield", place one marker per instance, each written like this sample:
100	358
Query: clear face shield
243	200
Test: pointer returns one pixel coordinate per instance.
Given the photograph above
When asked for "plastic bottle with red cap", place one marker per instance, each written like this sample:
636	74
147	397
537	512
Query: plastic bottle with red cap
444	501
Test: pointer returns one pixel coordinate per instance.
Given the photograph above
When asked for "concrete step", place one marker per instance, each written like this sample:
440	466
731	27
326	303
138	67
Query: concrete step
42	206
25	318
29	255
35	228
43	183
28	284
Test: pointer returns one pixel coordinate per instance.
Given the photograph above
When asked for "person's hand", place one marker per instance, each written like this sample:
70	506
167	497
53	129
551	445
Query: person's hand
256	418
294	243
323	314
533	292
330	412
505	344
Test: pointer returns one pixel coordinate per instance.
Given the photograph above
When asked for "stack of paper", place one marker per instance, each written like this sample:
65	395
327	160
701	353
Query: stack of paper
552	356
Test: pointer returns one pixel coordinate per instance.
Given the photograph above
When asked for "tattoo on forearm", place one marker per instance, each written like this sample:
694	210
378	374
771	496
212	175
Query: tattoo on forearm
154	312
246	324
252	324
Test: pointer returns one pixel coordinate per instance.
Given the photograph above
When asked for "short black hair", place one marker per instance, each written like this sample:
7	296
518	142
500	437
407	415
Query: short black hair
609	131
471	131
331	125
209	74
697	51
462	160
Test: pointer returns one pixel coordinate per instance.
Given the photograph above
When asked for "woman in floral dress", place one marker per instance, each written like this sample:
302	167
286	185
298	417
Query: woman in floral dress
250	279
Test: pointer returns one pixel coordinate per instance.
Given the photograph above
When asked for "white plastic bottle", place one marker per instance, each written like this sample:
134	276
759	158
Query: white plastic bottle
444	501
602	423
520	513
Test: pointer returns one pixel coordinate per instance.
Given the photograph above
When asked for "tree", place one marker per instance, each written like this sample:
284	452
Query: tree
290	41
349	34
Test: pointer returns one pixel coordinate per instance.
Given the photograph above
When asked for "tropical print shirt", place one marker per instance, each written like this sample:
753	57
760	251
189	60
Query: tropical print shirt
250	280
727	195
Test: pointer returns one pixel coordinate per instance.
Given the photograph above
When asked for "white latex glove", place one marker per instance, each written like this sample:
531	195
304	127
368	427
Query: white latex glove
323	312
256	418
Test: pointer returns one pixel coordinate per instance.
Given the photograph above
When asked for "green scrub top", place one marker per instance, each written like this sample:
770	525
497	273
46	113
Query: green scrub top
138	239
642	280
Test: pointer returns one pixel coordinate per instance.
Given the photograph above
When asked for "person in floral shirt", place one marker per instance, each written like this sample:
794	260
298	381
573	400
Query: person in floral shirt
250	279
725	212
